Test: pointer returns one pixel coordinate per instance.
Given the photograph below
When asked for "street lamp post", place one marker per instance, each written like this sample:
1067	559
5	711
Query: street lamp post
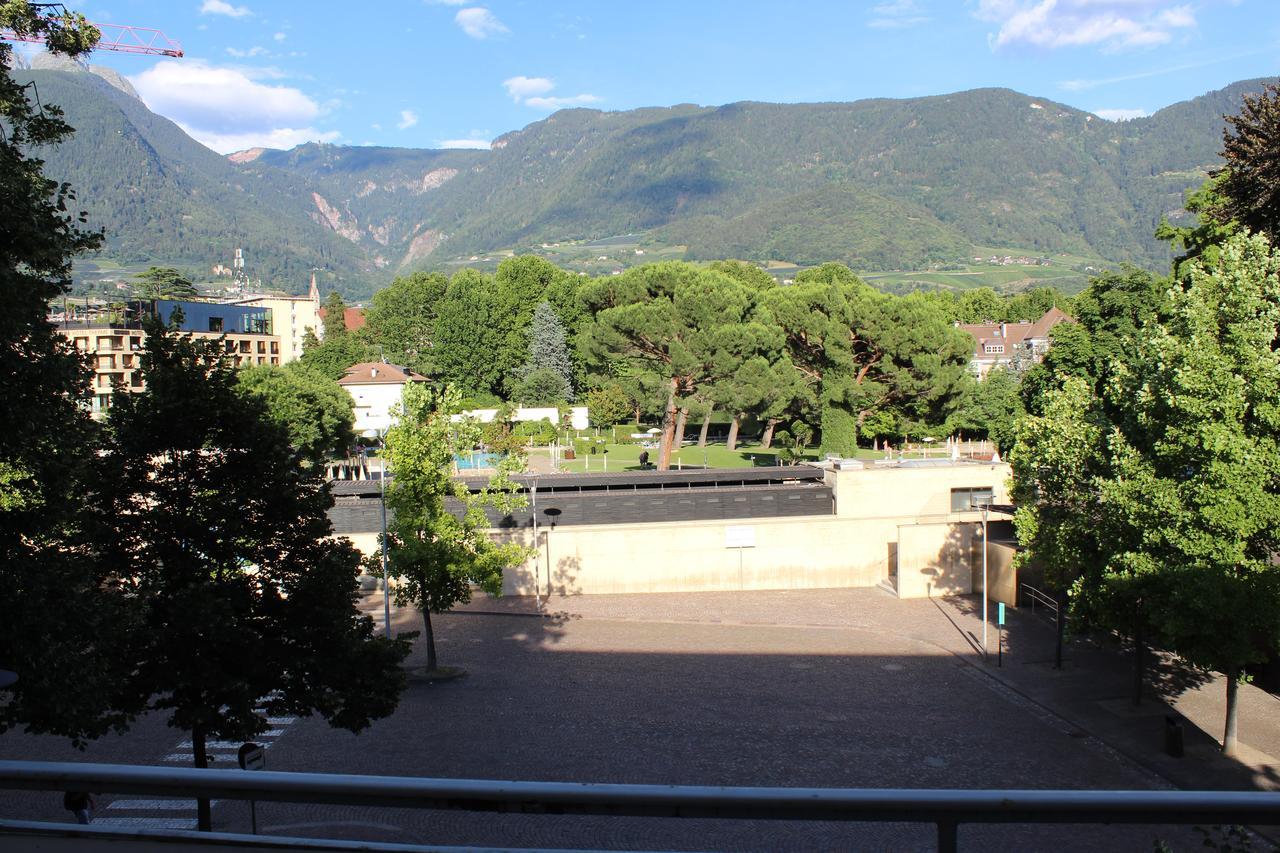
537	598
985	598
382	501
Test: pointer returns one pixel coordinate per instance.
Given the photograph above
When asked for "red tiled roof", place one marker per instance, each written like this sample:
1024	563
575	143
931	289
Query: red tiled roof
352	318
379	373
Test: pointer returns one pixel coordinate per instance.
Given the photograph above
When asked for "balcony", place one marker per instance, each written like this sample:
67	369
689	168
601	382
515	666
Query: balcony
946	810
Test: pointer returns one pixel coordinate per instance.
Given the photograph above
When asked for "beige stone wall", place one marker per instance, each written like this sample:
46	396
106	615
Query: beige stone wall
938	558
1001	575
886	518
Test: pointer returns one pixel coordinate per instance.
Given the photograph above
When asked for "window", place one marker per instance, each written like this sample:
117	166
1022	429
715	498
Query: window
965	500
275	347
993	349
215	324
262	347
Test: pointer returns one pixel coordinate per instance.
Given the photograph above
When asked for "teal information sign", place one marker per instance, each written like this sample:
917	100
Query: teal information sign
1000	616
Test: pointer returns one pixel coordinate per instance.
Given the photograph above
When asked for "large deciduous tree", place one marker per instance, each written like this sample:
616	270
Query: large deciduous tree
317	413
402	319
63	625
437	555
1162	489
469	333
247	605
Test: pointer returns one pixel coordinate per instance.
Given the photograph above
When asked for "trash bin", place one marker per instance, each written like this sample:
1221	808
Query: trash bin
1173	736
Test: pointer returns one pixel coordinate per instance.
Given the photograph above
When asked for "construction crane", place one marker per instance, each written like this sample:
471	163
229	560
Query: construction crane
118	37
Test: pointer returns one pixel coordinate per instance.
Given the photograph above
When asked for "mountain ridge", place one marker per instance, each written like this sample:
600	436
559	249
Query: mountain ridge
880	183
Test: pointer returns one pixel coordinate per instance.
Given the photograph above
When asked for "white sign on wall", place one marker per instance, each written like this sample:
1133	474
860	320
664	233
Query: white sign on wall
739	536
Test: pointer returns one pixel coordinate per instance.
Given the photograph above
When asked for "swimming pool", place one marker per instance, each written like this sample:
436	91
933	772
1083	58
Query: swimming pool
473	461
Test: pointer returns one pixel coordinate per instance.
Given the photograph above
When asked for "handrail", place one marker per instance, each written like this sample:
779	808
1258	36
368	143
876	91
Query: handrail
946	808
1040	597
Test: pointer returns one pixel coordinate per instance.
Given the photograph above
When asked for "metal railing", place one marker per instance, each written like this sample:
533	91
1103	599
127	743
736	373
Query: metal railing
1041	598
946	809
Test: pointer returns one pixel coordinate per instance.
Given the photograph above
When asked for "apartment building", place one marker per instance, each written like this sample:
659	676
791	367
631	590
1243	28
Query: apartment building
113	339
292	318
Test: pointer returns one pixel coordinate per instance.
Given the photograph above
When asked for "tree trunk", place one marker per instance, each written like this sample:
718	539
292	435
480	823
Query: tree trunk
680	424
431	640
1229	734
204	816
668	427
706	426
733	431
767	440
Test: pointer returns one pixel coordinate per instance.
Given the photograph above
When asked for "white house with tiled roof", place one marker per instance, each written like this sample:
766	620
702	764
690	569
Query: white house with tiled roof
376	389
999	344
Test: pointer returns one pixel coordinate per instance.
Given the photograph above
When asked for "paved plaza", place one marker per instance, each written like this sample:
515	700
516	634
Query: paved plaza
824	688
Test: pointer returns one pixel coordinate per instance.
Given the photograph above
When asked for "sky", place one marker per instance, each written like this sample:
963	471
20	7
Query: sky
457	73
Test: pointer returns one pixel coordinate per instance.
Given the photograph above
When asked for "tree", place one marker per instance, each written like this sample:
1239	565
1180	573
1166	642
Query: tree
221	539
1161	490
1249	182
469	334
608	405
541	386
677	329
402	319
437	555
548	354
857	351
990	409
334	321
332	356
163	283
62	619
316	412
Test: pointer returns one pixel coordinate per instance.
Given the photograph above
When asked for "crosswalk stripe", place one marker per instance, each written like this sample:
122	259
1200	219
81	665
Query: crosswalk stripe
149	822
159	805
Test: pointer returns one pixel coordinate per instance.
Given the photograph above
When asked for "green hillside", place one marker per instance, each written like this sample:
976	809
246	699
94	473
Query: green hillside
884	185
163	197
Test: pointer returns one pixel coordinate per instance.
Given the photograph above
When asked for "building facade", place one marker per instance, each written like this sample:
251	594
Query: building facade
291	318
113	340
376	389
1006	344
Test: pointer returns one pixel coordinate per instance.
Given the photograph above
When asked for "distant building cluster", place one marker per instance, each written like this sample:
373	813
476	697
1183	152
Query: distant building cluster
1006	344
1010	260
258	329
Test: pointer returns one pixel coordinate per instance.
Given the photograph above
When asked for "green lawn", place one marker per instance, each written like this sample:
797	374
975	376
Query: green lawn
626	457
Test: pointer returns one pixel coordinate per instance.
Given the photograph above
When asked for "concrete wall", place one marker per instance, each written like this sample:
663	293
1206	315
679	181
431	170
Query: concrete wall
886	520
1001	575
938	558
578	415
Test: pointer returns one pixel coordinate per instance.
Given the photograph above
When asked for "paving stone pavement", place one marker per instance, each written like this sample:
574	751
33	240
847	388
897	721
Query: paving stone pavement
823	688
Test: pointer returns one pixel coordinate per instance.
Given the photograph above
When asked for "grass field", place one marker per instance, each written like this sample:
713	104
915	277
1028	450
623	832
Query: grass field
626	457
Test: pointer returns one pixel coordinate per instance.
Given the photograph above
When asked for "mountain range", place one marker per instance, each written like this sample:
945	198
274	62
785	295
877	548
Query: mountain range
878	184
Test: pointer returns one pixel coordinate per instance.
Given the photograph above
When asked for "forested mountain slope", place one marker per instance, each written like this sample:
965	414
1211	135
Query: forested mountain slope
879	184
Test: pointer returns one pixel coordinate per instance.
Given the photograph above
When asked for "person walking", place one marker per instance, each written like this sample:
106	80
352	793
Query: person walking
80	804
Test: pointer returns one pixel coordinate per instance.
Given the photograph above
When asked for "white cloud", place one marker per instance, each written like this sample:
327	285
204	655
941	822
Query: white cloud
532	92
256	50
226	109
1112	25
524	87
558	103
278	137
463	143
221	7
408	118
1121	114
446	2
897	14
479	23
279	36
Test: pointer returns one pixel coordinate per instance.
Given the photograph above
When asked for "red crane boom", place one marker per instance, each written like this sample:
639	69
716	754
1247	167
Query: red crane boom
121	38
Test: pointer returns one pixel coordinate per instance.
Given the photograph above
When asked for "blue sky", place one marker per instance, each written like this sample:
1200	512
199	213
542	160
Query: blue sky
450	73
